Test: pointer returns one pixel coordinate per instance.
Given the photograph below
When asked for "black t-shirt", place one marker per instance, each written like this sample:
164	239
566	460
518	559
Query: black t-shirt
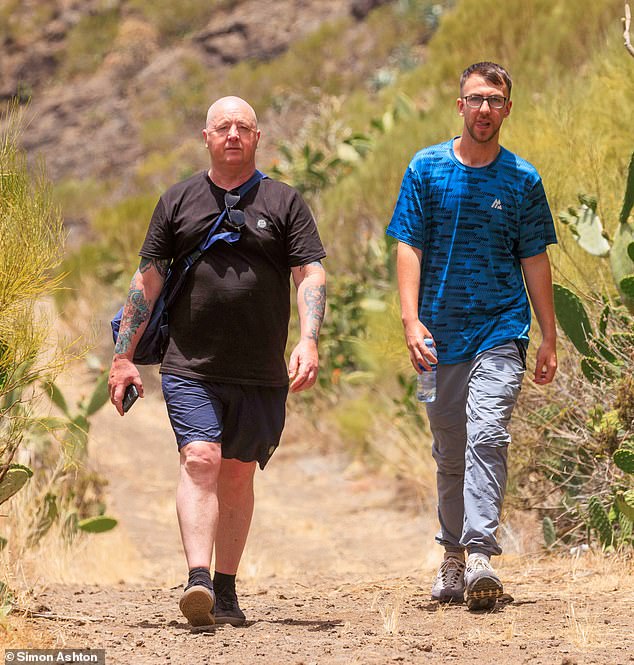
230	321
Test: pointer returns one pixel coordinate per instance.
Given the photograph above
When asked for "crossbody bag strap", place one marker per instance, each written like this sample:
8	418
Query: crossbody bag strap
242	190
188	261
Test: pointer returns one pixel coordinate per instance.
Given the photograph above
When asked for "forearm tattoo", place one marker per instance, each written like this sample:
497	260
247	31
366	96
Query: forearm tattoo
315	299
136	312
161	265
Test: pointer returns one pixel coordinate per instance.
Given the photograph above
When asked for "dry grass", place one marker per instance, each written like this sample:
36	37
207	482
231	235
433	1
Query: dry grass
389	609
582	626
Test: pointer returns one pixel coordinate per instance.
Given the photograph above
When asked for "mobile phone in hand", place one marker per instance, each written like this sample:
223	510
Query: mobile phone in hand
130	397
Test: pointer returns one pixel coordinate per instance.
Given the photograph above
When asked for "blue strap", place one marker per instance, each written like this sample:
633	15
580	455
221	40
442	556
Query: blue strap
172	289
228	236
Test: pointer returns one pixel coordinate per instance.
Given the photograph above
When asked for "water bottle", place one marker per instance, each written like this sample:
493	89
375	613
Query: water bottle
426	382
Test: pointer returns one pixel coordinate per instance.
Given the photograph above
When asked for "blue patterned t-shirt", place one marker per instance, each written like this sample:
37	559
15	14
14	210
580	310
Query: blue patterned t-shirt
473	225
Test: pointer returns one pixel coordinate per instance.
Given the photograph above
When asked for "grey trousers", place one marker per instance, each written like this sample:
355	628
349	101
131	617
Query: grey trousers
469	421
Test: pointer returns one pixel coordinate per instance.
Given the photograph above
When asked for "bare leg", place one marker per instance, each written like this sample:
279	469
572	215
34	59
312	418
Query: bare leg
197	500
235	503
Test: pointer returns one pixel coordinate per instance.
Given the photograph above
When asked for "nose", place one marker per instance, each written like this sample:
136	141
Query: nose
233	131
488	109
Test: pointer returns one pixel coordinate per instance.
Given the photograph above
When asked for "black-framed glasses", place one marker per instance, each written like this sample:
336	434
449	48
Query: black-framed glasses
494	101
234	219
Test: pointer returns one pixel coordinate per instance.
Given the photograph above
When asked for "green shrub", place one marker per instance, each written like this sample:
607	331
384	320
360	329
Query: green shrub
89	41
31	246
122	227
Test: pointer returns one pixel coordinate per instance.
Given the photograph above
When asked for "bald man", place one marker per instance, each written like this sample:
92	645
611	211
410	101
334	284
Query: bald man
224	374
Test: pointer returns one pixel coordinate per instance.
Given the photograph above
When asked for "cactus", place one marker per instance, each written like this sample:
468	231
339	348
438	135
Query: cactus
600	521
97	524
548	529
13	481
573	318
47	514
604	353
625	503
626	528
624	459
587	229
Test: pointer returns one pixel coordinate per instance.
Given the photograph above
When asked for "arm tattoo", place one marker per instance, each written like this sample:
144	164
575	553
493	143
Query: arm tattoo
161	265
312	263
315	299
136	312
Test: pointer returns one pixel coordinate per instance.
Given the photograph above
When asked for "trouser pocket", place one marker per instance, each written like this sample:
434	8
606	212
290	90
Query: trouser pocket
521	348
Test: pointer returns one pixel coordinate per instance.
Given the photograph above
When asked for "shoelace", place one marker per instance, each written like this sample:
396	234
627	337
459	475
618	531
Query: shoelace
451	570
479	563
227	599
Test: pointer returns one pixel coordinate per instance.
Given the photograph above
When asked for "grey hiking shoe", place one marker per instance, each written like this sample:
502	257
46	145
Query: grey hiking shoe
482	584
197	604
449	583
227	609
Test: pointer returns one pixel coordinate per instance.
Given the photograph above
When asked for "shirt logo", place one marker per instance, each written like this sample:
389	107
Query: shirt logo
497	204
262	223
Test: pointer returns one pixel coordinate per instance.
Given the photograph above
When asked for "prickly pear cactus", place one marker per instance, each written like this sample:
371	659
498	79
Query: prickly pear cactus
586	227
622	264
600	522
625	503
15	478
622	252
573	318
625	530
44	520
624	459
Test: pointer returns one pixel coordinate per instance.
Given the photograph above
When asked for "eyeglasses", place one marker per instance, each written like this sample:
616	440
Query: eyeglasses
476	101
235	219
223	130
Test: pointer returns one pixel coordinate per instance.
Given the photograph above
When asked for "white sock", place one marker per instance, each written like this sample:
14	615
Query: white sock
478	555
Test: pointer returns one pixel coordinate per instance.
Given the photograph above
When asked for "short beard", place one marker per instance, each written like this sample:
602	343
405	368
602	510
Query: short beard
478	140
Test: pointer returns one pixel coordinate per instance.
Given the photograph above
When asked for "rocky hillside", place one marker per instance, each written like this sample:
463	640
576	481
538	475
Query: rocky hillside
99	72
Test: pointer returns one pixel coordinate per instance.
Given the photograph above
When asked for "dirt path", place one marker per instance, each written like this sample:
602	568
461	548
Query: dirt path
336	570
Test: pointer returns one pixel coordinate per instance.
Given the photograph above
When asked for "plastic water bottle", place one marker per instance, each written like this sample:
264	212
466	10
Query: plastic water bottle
426	382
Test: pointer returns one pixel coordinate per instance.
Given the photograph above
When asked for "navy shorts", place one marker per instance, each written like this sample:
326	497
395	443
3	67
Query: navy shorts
246	420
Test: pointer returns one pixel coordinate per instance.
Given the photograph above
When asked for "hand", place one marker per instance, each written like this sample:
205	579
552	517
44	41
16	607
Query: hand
303	366
420	355
545	363
123	372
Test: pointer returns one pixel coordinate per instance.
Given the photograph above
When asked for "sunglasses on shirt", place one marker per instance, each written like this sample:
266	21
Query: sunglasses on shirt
235	219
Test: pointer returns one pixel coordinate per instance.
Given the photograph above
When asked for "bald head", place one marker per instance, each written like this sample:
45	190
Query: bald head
229	106
231	136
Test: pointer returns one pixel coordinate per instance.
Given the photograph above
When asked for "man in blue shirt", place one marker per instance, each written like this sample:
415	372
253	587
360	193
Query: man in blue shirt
473	224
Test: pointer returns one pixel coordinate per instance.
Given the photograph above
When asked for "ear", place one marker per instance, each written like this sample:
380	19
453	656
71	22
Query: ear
258	133
507	110
460	106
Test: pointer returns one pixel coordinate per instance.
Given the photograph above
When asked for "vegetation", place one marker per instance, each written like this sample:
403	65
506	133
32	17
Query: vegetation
586	445
45	474
173	19
364	100
31	245
89	41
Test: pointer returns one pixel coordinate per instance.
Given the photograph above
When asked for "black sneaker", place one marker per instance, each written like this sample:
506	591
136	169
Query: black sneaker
197	604
227	608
